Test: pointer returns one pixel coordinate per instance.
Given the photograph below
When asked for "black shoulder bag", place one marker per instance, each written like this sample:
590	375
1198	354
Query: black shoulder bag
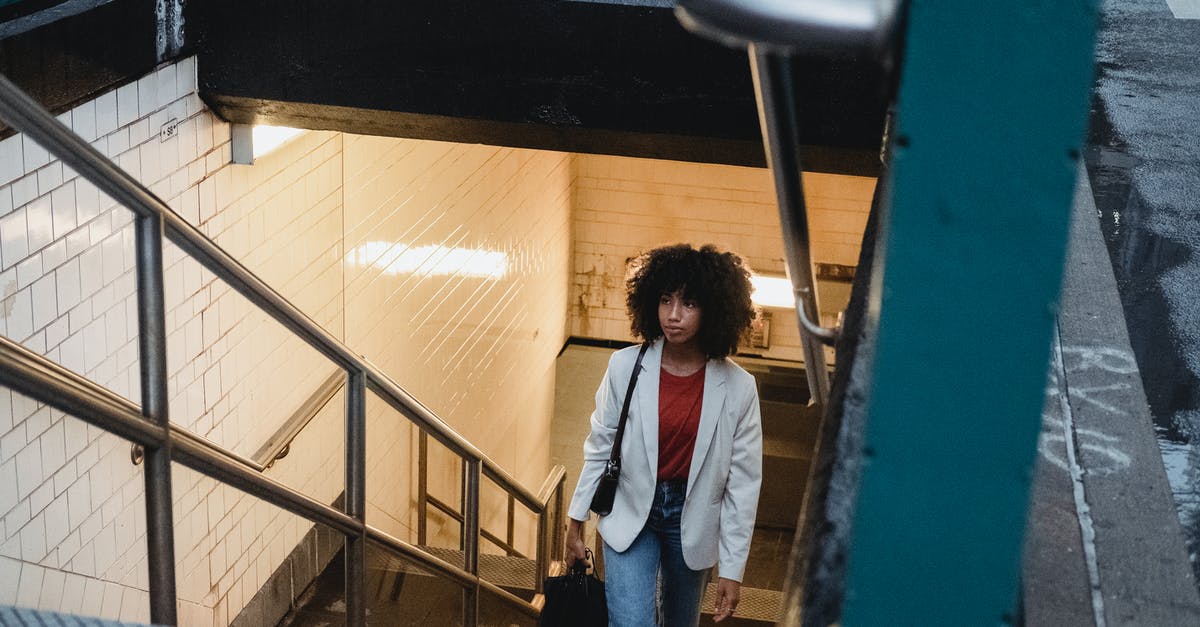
602	500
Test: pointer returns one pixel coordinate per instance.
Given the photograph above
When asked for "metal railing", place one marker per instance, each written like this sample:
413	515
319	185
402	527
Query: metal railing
773	31
148	425
280	443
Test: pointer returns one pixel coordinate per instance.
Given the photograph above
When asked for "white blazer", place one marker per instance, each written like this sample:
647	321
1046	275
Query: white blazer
726	469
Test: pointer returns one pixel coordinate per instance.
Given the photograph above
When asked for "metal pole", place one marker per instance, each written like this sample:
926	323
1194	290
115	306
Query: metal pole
543	532
152	353
777	114
470	538
511	522
356	496
560	532
422	486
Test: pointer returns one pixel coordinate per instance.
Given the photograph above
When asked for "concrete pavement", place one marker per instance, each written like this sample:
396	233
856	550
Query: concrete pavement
1104	545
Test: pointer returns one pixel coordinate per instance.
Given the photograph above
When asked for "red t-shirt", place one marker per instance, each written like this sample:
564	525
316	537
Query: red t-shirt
679	400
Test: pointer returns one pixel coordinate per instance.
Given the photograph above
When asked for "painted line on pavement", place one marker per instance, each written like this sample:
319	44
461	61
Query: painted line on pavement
1185	9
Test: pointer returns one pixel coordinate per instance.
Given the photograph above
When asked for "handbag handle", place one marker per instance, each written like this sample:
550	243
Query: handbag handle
615	454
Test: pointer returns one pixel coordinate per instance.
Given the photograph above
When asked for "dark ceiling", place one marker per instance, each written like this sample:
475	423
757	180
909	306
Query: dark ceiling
612	77
581	76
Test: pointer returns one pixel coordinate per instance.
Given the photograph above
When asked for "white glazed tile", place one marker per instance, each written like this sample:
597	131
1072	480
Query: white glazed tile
52	590
29	590
20	316
10	580
67	277
54	452
87	201
40	222
147	95
45	302
139	132
91	270
79	503
29	270
150	156
8	486
12	159
29	470
185	76
83	120
165	87
24	190
49	177
111	605
35	155
14	241
73	593
127	104
95	348
62	204
131	163
56	332
54	255
106	113
57	519
118	142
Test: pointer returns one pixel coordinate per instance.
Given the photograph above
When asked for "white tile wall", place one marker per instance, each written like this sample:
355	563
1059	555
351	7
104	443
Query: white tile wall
458	272
73	532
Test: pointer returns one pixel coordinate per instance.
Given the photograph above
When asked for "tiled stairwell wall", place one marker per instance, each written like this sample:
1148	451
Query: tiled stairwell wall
623	206
474	333
365	235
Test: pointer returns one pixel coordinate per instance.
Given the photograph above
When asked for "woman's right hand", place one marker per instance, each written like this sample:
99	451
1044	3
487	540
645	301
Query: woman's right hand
576	550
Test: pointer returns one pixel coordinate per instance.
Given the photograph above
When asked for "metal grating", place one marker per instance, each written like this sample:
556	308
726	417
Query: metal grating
755	604
501	570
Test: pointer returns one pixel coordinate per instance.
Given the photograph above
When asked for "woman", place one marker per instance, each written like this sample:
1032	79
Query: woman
692	450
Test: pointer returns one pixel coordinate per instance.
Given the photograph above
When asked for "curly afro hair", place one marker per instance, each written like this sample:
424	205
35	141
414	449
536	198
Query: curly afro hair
719	282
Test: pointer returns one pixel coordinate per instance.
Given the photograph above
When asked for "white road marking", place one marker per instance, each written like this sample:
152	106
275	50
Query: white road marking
1185	9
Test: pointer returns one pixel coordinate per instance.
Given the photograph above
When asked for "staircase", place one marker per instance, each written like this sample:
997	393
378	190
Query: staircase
401	593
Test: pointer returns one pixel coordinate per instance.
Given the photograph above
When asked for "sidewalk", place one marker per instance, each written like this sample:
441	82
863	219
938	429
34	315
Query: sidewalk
1103	545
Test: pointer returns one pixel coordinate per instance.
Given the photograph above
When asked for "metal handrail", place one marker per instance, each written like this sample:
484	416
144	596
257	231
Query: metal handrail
47	382
774	31
817	28
150	427
280	442
15	108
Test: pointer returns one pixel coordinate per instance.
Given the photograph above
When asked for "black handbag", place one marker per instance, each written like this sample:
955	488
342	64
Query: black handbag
575	599
606	491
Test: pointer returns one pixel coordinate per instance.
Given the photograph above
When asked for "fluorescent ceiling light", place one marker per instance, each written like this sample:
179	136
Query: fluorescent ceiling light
772	292
432	260
268	138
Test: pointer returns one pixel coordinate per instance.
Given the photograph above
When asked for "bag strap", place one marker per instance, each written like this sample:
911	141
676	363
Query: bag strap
615	455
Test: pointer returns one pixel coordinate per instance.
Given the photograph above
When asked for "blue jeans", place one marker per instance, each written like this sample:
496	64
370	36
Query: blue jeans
632	576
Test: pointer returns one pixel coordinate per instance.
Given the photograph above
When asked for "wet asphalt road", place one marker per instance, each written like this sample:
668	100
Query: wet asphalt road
1143	160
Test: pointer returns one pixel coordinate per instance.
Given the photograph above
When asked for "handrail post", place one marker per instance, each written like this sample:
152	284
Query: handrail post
422	486
470	538
540	564
560	530
152	354
356	496
511	524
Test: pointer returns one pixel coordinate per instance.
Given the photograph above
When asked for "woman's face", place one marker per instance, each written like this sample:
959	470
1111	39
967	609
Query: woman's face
679	318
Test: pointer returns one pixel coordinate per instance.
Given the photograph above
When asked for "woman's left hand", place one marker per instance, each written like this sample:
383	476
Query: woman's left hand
729	592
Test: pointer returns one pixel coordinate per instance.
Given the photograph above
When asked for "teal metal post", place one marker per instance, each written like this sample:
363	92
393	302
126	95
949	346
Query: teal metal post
991	112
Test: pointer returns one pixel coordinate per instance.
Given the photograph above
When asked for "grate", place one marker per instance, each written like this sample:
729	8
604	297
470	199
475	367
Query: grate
755	604
502	570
